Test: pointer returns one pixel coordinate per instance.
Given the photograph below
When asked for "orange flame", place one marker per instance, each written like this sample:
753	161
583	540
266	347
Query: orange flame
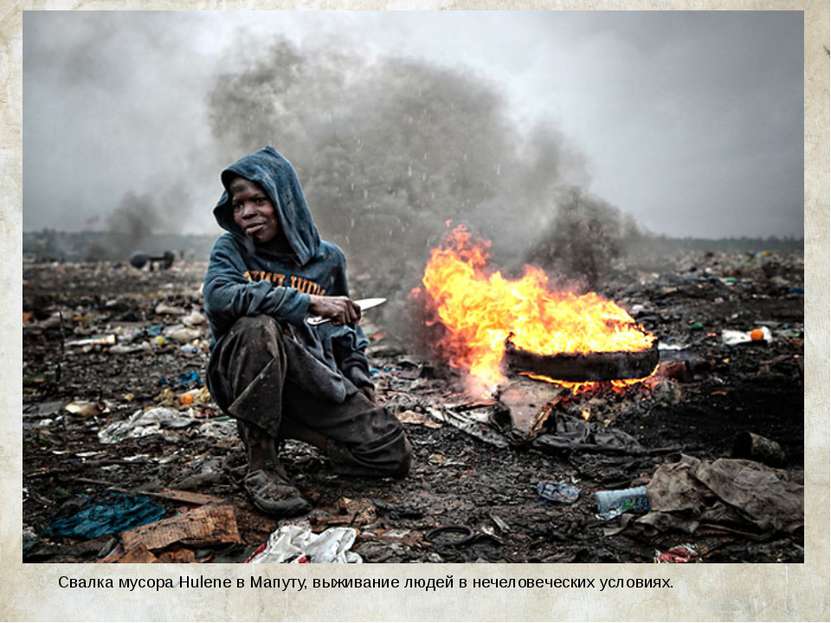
479	308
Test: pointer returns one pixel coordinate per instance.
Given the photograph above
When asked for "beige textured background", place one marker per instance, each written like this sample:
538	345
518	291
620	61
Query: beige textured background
702	592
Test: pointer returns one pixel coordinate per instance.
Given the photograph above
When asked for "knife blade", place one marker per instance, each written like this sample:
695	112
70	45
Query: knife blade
364	304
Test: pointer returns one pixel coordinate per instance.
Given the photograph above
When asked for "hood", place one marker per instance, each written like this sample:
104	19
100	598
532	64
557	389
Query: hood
268	168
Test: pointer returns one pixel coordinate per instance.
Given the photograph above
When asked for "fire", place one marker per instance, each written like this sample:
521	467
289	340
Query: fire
479	308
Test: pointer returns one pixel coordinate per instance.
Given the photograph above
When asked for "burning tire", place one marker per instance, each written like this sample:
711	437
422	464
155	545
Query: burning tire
600	366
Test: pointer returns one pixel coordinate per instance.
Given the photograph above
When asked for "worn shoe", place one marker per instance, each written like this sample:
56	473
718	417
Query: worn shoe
272	493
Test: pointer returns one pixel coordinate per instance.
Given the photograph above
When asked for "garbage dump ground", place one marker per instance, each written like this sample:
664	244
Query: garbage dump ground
126	459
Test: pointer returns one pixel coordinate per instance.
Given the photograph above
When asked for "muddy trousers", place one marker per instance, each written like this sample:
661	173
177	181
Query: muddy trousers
247	377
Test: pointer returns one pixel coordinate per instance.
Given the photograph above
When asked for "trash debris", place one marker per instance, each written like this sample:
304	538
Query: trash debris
43	409
450	536
163	309
103	340
111	513
611	504
181	555
678	554
726	493
299	544
747	445
194	318
500	523
703	394
222	427
422	419
127	349
206	525
734	338
197	396
84	408
561	492
143	423
572	433
139	554
470	426
180	333
347	512
186	380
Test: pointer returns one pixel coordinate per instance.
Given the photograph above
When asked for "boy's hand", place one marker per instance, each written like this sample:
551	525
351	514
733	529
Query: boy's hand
339	309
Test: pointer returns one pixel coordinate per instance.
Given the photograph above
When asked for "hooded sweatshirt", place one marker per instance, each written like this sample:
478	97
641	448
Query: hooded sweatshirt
246	279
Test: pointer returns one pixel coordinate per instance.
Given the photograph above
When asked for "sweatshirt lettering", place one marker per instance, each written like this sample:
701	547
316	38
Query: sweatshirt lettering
293	281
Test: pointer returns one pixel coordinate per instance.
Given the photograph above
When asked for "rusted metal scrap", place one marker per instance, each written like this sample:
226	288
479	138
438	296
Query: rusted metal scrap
599	366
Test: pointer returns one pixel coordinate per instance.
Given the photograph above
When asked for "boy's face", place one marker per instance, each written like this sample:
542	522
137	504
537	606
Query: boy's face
253	210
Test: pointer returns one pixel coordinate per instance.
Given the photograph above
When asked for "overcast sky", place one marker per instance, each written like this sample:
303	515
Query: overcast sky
691	122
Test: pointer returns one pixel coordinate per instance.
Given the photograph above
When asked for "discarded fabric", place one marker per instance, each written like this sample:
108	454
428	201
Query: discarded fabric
729	493
112	513
571	433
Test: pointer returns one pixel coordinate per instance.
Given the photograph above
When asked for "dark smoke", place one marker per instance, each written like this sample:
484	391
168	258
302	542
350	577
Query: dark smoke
136	216
585	237
389	150
115	113
137	220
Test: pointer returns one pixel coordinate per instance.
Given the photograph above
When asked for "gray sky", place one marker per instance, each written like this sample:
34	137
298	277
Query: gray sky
691	122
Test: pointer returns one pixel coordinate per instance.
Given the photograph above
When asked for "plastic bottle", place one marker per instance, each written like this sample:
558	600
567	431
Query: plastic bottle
613	503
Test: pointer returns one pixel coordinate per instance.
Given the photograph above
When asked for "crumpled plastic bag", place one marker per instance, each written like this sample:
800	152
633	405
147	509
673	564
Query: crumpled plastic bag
143	423
300	544
734	338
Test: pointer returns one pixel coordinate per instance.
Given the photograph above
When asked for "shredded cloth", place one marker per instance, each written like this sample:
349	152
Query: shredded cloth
729	493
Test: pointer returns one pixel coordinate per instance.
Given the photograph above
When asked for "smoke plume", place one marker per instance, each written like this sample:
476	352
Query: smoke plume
390	149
